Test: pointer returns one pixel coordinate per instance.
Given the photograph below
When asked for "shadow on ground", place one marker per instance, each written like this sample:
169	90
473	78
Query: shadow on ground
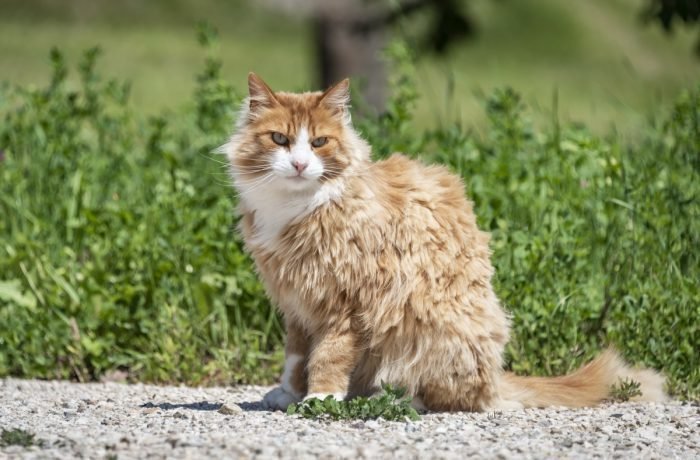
247	406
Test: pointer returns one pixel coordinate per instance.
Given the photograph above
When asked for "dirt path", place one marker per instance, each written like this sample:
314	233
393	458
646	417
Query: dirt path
135	421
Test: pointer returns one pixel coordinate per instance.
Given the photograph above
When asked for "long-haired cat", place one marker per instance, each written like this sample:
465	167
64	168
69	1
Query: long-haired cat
378	268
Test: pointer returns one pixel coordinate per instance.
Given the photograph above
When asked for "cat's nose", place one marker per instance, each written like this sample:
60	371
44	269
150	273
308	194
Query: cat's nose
300	166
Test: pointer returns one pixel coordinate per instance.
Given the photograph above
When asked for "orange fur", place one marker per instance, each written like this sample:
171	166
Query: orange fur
586	386
378	267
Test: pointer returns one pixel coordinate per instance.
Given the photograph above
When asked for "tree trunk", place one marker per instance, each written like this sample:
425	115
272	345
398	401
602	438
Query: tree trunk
343	49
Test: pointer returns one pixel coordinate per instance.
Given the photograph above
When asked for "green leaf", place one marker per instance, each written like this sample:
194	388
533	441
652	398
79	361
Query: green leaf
11	291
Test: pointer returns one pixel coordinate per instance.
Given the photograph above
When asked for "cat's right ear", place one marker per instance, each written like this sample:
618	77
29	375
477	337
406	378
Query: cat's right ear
337	96
260	95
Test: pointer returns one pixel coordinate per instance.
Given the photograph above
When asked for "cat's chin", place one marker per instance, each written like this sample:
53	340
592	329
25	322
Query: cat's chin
299	184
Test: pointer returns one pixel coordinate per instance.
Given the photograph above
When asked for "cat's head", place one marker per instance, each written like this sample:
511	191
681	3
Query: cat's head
291	141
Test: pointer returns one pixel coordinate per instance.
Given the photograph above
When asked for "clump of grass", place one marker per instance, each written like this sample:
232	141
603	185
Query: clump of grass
16	437
391	404
625	389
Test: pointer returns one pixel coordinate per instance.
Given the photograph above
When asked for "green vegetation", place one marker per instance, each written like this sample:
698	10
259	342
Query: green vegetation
16	437
606	66
118	248
118	241
389	405
624	390
150	43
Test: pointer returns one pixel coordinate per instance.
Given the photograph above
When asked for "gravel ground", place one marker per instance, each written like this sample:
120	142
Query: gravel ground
112	420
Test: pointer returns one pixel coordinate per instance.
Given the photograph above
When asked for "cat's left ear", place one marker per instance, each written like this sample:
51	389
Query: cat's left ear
337	97
260	94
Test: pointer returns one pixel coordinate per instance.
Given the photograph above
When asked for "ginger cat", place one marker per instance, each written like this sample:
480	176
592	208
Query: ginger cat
379	269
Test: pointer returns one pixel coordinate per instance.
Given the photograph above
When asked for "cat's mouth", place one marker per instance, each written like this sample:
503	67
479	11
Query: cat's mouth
300	182
297	178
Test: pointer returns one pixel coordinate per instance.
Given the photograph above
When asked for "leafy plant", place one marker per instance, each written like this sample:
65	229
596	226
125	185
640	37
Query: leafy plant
117	248
625	389
389	405
16	437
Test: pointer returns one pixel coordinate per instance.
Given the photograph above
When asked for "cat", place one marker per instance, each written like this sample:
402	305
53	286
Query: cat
379	269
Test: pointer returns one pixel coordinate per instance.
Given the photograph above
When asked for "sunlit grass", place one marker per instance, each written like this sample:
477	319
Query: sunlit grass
609	74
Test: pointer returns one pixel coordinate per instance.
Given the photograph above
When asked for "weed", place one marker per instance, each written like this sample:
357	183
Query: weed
17	437
624	390
389	405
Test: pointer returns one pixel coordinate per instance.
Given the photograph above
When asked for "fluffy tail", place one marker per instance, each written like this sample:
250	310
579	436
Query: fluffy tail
586	386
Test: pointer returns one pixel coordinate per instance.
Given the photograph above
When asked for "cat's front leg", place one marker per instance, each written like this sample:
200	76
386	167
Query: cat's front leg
332	359
293	385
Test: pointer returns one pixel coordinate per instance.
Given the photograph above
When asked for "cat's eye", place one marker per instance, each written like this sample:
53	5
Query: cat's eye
280	139
319	142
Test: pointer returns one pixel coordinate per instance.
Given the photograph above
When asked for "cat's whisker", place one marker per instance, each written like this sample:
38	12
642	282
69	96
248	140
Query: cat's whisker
221	183
252	172
255	181
215	160
217	177
220	174
257	160
255	167
345	174
258	184
237	174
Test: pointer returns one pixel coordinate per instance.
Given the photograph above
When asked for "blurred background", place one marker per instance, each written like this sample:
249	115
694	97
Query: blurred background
607	62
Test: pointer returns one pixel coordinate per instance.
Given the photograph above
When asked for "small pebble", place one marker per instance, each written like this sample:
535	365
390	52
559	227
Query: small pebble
230	409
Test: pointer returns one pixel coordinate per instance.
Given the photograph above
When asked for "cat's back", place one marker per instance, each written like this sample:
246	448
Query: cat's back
434	260
430	223
407	186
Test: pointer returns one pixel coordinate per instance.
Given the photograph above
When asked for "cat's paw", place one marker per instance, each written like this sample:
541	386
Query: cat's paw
322	396
279	399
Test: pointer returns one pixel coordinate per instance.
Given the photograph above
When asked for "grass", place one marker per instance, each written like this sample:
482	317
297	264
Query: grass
605	67
150	43
101	281
607	70
118	248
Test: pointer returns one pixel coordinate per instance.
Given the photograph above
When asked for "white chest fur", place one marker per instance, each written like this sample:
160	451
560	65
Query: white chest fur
276	208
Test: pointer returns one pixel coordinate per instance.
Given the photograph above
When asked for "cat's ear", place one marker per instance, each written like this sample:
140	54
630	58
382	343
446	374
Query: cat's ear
337	97
260	95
